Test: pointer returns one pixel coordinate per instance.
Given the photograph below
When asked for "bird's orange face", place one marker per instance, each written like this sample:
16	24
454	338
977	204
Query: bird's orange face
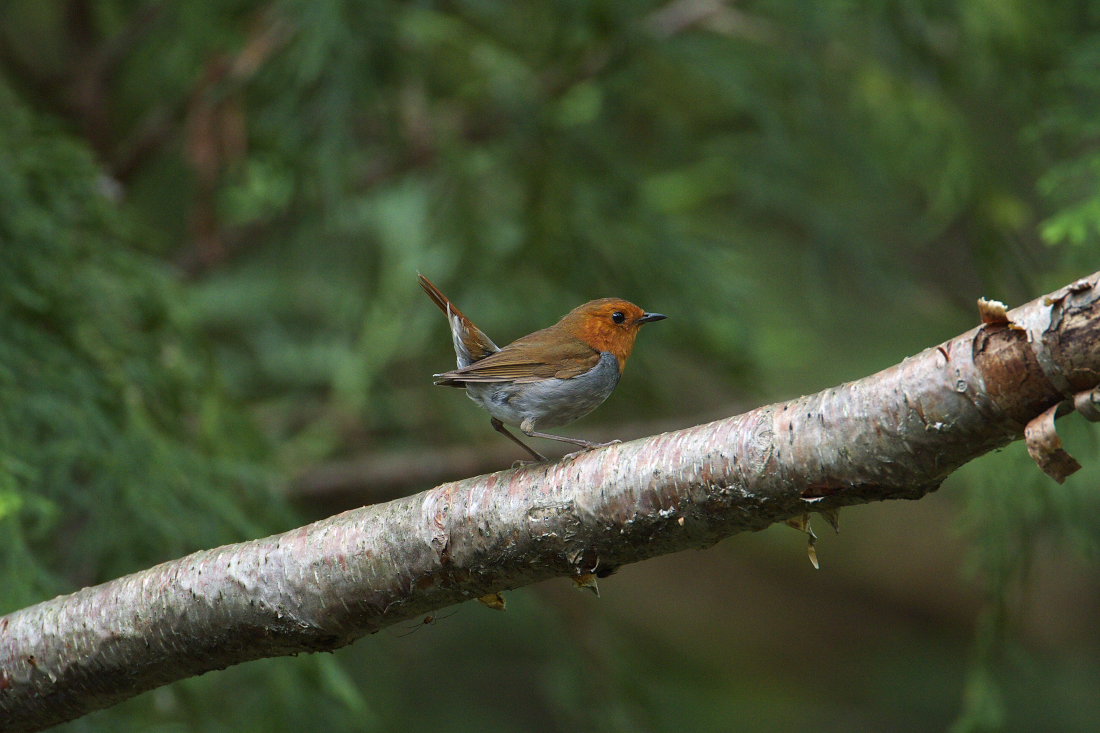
609	324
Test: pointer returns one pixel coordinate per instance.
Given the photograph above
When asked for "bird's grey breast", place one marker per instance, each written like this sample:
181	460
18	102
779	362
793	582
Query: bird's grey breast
549	402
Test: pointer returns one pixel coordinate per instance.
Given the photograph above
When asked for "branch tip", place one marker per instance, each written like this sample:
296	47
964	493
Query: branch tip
993	312
587	581
494	601
802	524
832	516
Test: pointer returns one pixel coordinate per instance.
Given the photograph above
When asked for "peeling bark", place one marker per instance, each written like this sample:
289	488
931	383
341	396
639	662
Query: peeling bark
894	435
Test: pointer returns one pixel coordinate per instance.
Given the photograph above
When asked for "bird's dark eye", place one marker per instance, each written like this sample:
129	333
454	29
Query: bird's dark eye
618	317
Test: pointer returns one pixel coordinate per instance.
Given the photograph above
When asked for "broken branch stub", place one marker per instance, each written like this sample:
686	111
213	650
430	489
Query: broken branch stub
1047	325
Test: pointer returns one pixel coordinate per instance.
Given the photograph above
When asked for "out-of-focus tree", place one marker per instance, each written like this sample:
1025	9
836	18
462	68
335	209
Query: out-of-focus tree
113	417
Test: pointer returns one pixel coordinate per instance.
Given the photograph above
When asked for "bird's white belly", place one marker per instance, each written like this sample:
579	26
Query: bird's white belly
550	402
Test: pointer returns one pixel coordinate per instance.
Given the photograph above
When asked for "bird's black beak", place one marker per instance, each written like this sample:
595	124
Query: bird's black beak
649	317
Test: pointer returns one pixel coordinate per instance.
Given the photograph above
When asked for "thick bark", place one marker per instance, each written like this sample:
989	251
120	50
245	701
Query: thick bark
894	435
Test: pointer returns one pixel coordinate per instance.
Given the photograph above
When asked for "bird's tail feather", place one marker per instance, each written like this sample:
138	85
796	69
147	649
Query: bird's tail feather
470	342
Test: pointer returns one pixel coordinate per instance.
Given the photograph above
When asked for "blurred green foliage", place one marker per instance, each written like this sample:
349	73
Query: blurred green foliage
113	417
211	217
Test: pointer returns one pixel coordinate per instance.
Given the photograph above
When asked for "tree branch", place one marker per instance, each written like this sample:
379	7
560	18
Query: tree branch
894	435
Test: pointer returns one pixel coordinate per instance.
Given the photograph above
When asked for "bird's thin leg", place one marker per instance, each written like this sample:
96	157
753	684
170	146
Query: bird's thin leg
499	427
528	429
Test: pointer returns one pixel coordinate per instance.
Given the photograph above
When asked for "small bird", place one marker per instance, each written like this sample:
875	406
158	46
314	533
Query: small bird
550	377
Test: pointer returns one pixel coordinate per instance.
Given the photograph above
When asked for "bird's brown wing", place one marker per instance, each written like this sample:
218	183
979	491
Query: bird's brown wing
539	356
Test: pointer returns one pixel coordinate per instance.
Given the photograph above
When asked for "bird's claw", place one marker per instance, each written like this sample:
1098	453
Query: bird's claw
590	446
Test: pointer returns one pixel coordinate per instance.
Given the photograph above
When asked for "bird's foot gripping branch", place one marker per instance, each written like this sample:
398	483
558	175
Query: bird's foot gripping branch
895	434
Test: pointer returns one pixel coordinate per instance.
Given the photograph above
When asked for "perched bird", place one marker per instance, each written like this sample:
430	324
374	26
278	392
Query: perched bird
550	377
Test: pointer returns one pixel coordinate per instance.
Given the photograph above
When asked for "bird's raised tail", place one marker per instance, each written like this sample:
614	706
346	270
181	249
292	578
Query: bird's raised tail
470	342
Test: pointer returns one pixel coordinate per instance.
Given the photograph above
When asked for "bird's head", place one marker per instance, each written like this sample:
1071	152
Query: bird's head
609	324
